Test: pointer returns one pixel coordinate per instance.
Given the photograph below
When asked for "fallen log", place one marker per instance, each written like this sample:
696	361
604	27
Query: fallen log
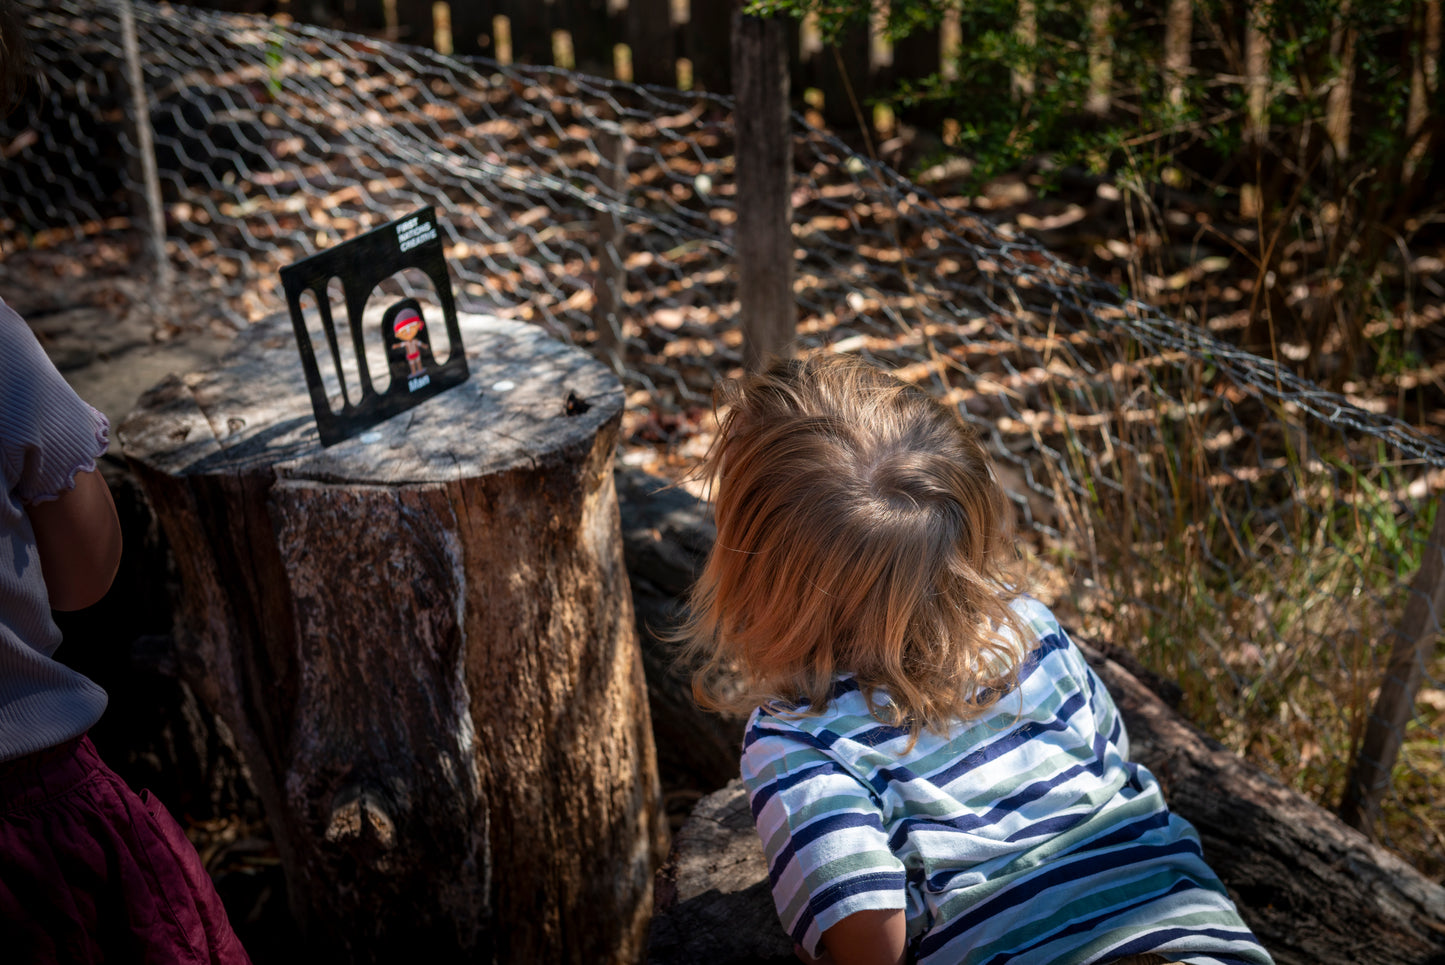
1314	890
666	534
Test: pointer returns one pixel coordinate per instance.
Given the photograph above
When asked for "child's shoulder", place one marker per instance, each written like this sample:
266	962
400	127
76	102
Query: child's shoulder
1034	614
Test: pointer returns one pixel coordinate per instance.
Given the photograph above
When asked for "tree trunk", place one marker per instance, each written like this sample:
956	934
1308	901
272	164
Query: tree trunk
666	535
1424	86
713	901
1101	57
1178	30
1026	32
423	643
1256	105
1343	38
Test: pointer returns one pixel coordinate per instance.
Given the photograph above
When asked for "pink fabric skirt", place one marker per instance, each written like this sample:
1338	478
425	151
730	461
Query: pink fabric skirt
90	872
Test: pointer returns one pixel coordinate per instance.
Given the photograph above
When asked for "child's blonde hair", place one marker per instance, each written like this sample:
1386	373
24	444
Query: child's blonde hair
860	529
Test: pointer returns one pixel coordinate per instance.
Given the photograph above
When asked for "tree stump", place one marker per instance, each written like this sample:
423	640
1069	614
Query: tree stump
422	642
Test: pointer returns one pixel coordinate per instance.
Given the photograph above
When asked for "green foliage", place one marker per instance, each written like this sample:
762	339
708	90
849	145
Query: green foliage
275	59
1351	209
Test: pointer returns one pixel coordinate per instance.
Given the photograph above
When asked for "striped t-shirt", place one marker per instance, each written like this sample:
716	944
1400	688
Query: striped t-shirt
1025	836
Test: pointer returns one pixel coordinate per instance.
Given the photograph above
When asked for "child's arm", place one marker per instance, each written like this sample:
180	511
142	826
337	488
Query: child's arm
836	884
78	537
873	937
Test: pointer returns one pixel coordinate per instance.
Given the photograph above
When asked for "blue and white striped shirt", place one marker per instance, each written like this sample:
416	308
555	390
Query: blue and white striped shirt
1025	836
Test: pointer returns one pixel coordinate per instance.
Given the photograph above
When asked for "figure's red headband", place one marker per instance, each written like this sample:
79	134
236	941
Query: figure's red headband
405	319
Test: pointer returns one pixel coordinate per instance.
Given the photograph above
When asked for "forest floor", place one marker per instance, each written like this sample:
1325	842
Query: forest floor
101	324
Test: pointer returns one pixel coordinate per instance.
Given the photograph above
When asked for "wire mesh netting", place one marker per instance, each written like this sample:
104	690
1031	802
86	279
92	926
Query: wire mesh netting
1235	528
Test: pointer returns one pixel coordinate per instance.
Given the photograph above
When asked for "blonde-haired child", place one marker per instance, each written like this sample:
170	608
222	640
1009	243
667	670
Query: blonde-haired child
936	774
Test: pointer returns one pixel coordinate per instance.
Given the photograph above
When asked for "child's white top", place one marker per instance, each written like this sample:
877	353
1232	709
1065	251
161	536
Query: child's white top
47	435
1025	837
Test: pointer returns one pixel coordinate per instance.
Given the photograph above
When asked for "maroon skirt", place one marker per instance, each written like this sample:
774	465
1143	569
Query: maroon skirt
90	872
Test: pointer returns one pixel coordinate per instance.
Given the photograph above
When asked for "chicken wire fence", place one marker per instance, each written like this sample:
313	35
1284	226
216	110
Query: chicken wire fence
1234	528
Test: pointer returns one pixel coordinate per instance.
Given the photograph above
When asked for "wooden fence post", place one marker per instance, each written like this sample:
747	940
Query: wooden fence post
145	150
709	22
531	30
649	36
764	153
1414	641
414	22
592	28
610	234
471	23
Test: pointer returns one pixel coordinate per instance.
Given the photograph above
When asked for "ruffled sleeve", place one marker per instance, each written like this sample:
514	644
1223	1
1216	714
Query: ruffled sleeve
48	434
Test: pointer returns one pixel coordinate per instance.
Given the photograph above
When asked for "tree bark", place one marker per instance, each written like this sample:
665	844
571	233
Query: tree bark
1338	117
1178	30
713	901
666	535
1424	85
1101	57
1256	109
422	640
1026	32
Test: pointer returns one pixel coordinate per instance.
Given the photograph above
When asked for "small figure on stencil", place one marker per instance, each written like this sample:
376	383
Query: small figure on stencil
407	327
406	338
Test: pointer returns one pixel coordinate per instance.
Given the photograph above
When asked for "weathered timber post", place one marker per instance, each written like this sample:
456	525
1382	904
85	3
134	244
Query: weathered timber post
764	151
1414	642
649	37
610	237
709	44
140	111
422	641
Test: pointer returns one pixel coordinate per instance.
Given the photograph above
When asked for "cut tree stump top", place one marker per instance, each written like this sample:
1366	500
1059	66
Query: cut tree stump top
253	411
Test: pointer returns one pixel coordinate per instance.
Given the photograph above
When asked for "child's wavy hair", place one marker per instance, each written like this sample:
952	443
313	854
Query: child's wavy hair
860	529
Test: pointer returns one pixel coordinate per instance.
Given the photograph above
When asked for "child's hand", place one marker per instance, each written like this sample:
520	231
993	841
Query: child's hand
872	937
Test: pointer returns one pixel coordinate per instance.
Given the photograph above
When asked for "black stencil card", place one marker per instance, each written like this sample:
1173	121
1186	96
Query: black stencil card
361	264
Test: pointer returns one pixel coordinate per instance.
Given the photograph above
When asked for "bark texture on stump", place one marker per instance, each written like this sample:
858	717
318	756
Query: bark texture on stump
422	641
